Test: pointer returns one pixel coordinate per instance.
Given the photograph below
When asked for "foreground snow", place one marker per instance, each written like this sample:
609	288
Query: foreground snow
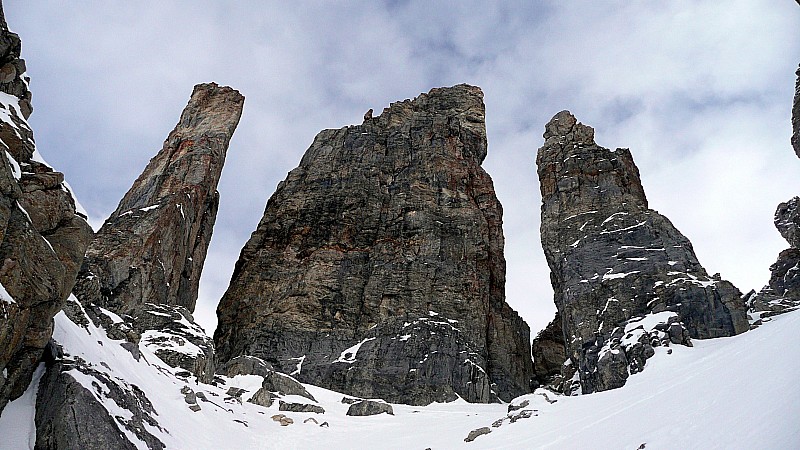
724	393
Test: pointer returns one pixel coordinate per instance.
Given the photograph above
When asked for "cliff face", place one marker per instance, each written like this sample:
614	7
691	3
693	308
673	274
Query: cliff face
378	269
42	237
796	116
152	247
613	261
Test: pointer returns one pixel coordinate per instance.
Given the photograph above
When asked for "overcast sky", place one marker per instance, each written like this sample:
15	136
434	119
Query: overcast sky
700	91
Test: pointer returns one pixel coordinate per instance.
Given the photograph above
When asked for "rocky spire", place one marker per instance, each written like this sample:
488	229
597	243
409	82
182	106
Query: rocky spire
42	236
796	115
613	261
378	269
152	248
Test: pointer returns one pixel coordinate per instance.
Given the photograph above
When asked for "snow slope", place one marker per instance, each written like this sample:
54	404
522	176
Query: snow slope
724	393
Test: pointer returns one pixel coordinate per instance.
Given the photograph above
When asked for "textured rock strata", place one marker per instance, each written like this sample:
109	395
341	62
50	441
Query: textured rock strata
796	117
614	261
385	223
42	237
152	248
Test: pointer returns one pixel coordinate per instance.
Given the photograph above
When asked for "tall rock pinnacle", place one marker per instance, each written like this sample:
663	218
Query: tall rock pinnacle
42	236
796	116
152	248
378	268
613	261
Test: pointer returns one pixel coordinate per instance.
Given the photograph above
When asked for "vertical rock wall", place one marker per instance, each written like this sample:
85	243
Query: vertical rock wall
613	261
42	237
378	269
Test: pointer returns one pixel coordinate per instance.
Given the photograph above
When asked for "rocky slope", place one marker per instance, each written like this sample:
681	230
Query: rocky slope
624	278
42	236
378	269
152	247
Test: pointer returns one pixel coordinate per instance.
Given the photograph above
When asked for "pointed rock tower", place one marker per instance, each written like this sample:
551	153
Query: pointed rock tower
378	269
613	262
152	248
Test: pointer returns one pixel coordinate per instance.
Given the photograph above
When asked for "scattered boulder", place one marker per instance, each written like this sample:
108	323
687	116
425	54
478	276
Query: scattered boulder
614	261
300	407
369	408
477	432
381	224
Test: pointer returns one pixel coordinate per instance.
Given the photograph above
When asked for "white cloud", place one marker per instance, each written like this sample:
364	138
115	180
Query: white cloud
699	90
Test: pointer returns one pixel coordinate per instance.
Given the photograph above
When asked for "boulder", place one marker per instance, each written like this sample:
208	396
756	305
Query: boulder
369	408
300	407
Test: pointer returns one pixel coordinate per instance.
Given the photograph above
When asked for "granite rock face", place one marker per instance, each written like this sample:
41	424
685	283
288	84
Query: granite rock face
383	225
152	248
42	236
622	273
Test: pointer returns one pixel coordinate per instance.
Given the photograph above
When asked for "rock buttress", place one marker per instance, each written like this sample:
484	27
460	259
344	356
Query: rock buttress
42	237
152	247
613	261
378	268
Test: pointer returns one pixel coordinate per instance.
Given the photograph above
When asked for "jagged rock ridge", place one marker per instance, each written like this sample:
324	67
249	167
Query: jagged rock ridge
378	269
152	247
614	261
42	236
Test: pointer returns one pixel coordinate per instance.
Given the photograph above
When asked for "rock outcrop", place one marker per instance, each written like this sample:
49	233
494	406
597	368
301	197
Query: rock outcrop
378	269
782	293
42	236
138	284
624	277
152	247
796	116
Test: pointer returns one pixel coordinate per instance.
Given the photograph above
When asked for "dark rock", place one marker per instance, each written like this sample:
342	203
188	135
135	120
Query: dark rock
478	432
787	221
369	408
613	260
42	236
350	401
549	354
796	116
274	384
69	415
153	246
300	407
172	334
381	224
523	404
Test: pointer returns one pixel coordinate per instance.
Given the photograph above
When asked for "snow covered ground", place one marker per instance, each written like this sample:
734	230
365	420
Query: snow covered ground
725	393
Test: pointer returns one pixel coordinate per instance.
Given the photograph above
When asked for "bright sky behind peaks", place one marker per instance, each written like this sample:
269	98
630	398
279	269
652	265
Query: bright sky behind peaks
700	91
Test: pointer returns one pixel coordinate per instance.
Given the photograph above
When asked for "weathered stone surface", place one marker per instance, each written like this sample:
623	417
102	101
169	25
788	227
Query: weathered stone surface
42	237
613	260
172	334
787	221
796	115
782	293
477	432
273	385
152	247
300	407
549	354
383	223
369	408
69	415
